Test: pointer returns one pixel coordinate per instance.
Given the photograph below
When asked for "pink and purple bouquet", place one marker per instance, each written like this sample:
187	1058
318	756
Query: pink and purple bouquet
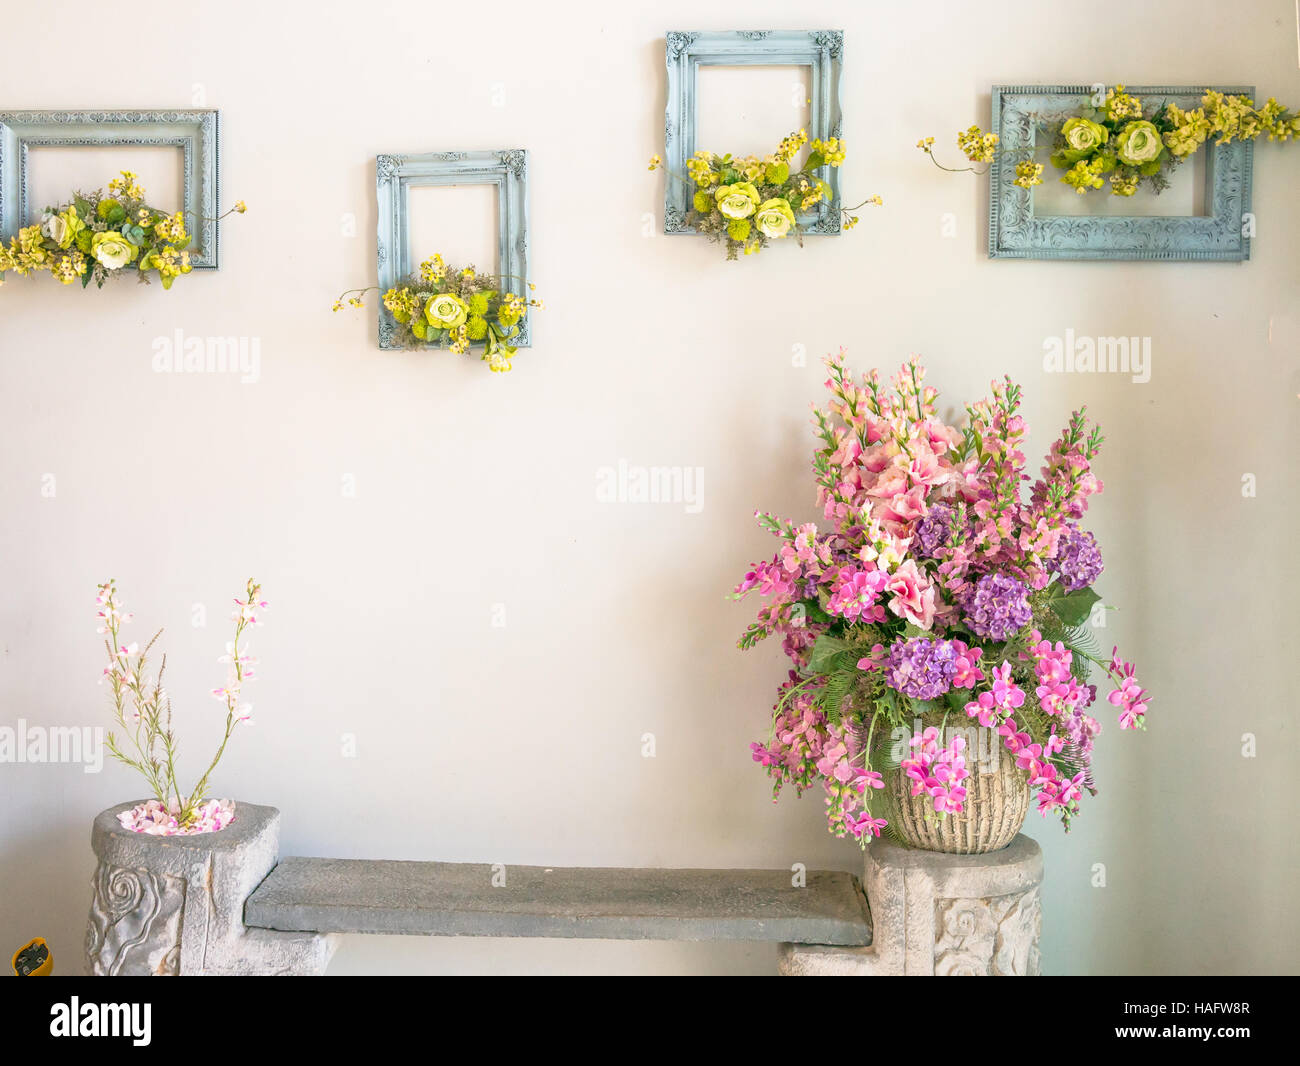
934	592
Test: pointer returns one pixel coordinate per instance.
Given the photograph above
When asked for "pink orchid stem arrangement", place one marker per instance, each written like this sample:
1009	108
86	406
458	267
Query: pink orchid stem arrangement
935	592
142	708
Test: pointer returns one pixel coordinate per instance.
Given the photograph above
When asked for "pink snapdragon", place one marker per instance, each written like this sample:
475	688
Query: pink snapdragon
802	548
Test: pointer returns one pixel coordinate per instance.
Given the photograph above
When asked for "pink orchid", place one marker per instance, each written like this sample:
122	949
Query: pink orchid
966	671
864	824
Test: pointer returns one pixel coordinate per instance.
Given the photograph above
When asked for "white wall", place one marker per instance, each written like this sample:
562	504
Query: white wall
522	744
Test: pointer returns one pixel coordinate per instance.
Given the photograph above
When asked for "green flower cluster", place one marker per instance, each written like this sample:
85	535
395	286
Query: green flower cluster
445	307
747	203
1124	143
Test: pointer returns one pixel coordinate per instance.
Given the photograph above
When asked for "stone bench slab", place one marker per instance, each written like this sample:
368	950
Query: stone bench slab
458	899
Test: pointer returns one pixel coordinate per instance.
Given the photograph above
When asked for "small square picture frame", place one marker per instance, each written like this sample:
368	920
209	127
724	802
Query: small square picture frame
197	133
1023	113
686	51
396	175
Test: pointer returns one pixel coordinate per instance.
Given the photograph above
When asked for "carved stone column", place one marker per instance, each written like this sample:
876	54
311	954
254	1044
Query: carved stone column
175	905
940	915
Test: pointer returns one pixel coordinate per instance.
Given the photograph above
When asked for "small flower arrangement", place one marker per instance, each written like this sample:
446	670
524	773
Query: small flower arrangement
748	203
95	237
142	709
1125	143
442	306
935	592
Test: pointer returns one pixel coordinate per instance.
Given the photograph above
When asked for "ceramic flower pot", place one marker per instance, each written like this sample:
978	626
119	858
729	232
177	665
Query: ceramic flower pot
994	809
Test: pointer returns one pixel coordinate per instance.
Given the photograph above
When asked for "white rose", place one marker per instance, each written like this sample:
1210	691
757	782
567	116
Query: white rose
54	227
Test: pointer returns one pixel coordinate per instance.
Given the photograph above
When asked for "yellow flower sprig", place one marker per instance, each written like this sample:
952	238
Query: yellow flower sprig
981	148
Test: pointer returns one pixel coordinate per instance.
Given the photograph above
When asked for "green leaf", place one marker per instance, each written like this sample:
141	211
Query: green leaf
167	280
815	160
827	647
85	278
1070	607
83	207
814	613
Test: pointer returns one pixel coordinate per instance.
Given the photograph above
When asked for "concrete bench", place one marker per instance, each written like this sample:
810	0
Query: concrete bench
224	903
471	899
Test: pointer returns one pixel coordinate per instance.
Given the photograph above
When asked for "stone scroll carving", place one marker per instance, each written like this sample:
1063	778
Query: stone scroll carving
135	922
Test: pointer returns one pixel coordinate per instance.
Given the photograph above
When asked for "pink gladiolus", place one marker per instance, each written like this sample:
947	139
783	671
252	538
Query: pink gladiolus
912	595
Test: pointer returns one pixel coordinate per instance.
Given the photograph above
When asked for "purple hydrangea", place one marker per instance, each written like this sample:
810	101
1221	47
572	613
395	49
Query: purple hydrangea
1078	559
996	606
933	531
920	667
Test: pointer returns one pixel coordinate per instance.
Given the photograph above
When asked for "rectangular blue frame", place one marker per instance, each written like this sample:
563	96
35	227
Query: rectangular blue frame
1022	112
687	51
196	133
395	175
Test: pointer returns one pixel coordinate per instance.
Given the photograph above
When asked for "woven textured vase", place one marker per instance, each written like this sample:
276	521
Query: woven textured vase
994	810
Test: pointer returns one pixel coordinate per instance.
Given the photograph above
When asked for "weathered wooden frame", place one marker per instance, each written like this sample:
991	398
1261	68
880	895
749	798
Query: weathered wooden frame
196	133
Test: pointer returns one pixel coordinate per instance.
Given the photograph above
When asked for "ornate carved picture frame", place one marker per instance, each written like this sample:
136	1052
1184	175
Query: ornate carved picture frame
195	133
686	52
1022	114
395	175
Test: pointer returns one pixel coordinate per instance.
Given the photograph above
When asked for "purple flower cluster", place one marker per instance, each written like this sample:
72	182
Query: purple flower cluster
1078	559
921	668
996	606
933	531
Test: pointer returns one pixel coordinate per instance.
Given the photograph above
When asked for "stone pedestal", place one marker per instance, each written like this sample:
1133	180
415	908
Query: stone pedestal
175	905
940	915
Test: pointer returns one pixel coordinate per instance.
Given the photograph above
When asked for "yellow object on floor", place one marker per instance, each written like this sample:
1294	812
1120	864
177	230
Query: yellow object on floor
34	959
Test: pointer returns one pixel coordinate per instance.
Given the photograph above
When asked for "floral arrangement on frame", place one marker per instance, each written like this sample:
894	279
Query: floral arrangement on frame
748	203
446	307
97	236
143	712
937	592
1126	143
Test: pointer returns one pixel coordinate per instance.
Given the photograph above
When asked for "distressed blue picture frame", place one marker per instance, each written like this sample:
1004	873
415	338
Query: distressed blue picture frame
1024	113
686	51
197	133
395	175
